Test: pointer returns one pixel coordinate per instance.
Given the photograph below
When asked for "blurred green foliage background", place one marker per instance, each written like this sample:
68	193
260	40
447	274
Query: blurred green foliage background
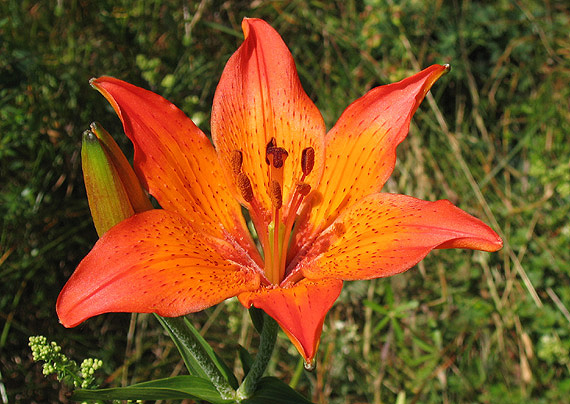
493	137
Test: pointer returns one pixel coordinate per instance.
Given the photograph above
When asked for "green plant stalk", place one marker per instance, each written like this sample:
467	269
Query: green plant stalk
266	345
178	328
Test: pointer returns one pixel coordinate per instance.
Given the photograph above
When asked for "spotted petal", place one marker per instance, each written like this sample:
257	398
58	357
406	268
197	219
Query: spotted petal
300	310
361	147
385	234
260	97
175	161
154	262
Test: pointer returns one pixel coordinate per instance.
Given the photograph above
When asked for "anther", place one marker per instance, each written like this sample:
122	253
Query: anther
303	188
276	196
236	159
307	160
244	186
279	155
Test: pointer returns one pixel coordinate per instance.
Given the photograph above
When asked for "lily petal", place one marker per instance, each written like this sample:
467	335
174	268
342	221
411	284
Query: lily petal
260	97
300	310
175	161
385	234
153	262
361	147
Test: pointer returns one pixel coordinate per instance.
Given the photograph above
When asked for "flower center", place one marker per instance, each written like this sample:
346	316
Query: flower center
274	228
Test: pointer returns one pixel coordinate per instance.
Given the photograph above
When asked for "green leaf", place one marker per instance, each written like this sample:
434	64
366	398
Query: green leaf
246	359
257	318
178	387
188	348
271	390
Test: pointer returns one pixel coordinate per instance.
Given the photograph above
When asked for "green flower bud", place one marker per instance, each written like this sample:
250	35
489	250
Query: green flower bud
113	190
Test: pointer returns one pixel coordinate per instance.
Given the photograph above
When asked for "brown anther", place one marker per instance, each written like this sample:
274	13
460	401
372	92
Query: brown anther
236	160
308	160
275	194
303	188
279	155
244	186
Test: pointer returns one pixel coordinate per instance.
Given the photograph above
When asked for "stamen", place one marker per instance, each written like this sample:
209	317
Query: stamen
236	160
308	160
282	219
276	195
244	186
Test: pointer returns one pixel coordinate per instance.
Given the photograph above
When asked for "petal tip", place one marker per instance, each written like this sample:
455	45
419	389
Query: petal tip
65	316
248	24
93	82
497	243
309	364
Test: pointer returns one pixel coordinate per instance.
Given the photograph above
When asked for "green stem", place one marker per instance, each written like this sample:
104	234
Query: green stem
266	345
178	328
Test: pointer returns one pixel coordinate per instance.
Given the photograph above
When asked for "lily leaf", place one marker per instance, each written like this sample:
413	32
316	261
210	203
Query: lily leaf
256	318
274	391
200	345
246	359
178	388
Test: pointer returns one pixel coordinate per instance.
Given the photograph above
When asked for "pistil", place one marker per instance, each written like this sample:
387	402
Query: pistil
277	202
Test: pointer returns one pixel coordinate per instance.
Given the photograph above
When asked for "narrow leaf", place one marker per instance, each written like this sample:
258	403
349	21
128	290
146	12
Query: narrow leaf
256	318
194	349
177	388
246	360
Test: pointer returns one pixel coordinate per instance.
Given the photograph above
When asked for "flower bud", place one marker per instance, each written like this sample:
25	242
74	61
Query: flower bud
137	195
113	190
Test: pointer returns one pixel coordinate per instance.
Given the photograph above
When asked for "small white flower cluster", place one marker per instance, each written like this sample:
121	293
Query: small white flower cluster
66	369
87	369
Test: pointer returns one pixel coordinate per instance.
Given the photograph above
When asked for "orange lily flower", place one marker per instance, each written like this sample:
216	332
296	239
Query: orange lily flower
313	197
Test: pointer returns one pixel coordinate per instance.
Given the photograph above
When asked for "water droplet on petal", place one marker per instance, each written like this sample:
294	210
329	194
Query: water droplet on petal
310	366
